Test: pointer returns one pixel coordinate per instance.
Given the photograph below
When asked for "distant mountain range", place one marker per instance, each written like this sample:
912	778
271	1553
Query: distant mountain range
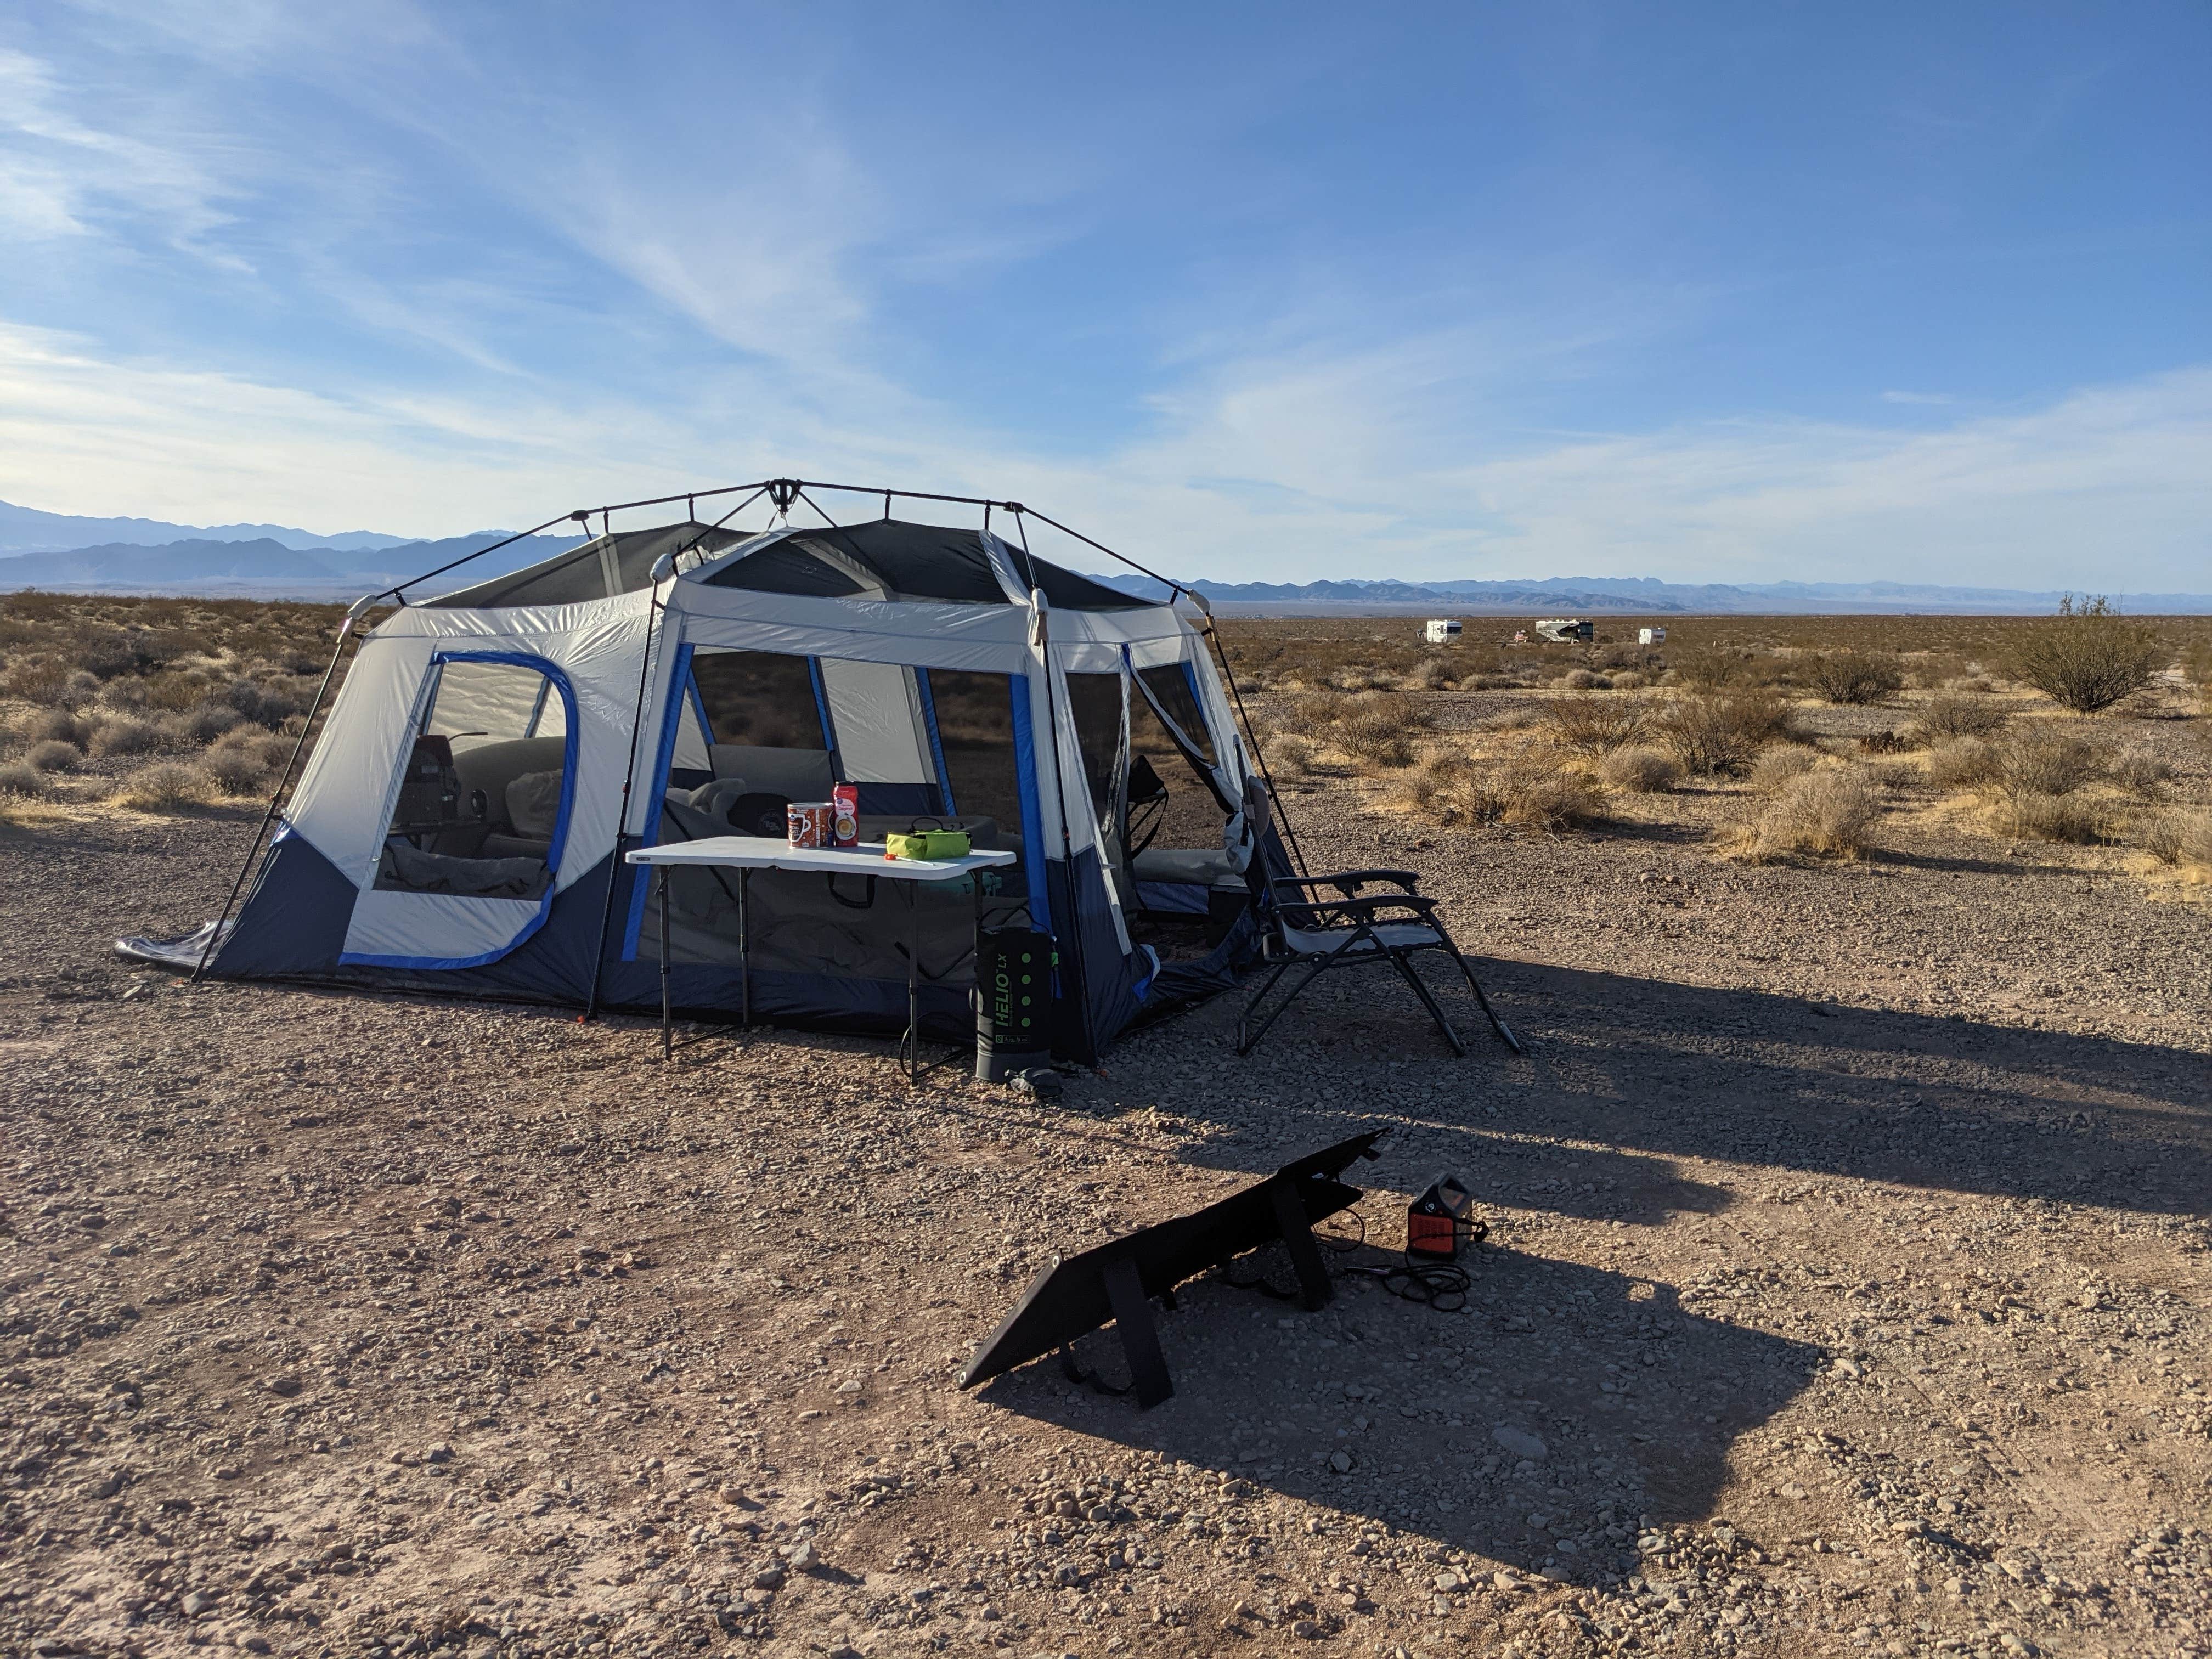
56	550
1635	596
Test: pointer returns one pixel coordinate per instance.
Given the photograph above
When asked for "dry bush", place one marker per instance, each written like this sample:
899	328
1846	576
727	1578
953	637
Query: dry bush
35	679
2138	773
1293	753
1826	813
1534	795
2039	759
1581	679
1629	679
2177	837
2028	815
1319	709
1721	732
1376	739
2088	657
1853	677
1434	675
1593	725
123	735
165	787
55	725
1962	764
1519	717
204	721
269	749
54	756
175	693
1780	765
1639	771
22	779
235	771
1946	718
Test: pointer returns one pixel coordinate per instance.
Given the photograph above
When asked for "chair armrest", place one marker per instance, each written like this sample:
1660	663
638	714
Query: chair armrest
1350	881
1358	909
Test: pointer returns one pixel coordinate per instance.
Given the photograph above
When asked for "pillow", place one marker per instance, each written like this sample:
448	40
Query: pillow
533	804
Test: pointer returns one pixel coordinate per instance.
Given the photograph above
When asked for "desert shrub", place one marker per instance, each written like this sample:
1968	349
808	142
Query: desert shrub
1535	795
1962	764
54	756
1629	679
2088	657
174	692
1853	677
2040	761
21	778
269	749
1778	765
166	786
56	726
205	720
1945	718
2029	814
2136	772
1721	732
1319	709
1720	669
1581	679
1519	717
1593	725
1434	675
237	771
1376	739
35	679
2176	837
1827	813
123	735
1292	753
1639	771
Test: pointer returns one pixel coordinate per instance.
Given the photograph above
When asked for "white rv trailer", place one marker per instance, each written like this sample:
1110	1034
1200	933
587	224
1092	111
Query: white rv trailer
1443	630
1652	637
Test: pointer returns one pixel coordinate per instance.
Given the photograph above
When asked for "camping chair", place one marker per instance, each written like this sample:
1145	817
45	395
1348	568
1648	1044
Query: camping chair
1308	929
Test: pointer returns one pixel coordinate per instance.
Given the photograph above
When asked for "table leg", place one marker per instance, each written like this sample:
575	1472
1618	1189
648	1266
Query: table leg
912	979
745	943
667	1013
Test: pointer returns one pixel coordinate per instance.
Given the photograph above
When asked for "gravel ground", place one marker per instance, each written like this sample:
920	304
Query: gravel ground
1846	1292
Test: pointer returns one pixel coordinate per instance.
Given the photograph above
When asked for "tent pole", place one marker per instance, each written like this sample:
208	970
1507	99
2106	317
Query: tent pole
622	819
1221	655
1074	963
360	609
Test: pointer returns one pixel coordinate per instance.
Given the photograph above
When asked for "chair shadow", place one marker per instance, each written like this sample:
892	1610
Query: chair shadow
1652	1070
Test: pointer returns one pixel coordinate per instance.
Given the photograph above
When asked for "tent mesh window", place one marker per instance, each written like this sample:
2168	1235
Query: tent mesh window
761	699
890	558
480	801
1096	702
1187	814
599	569
975	733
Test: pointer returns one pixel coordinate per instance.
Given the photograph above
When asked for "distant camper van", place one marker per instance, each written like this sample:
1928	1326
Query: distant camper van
1443	630
1652	637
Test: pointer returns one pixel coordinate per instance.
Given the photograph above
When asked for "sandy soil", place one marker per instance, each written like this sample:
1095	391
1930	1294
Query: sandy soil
1846	1292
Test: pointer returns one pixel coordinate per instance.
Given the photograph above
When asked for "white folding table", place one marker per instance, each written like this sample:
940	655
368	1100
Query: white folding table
746	854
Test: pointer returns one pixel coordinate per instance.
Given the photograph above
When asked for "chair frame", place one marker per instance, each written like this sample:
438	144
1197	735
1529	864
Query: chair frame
1303	903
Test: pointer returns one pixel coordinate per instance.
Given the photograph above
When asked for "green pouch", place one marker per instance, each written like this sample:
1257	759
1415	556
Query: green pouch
929	844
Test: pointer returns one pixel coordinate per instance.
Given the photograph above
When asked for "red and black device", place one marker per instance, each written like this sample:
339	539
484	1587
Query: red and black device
1442	1222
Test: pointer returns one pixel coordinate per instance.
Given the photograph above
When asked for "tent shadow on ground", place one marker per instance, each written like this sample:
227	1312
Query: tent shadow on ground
1636	1404
1654	1070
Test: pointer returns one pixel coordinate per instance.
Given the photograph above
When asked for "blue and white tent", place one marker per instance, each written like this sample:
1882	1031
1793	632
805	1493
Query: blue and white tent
493	753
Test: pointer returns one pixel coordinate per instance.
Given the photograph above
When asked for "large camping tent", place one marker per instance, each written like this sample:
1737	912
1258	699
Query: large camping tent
493	752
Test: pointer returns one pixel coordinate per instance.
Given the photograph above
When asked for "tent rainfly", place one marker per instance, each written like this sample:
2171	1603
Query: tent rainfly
493	753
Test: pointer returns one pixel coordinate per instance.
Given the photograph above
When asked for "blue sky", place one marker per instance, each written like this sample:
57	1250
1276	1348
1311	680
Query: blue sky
1720	292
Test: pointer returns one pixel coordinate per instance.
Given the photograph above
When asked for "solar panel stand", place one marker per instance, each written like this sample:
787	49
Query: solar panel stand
1298	1243
1140	1339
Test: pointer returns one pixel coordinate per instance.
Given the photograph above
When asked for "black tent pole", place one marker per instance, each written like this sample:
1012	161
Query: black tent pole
621	819
1221	655
360	609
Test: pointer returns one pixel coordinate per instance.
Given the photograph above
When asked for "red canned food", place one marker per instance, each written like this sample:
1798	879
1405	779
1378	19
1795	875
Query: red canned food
812	822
